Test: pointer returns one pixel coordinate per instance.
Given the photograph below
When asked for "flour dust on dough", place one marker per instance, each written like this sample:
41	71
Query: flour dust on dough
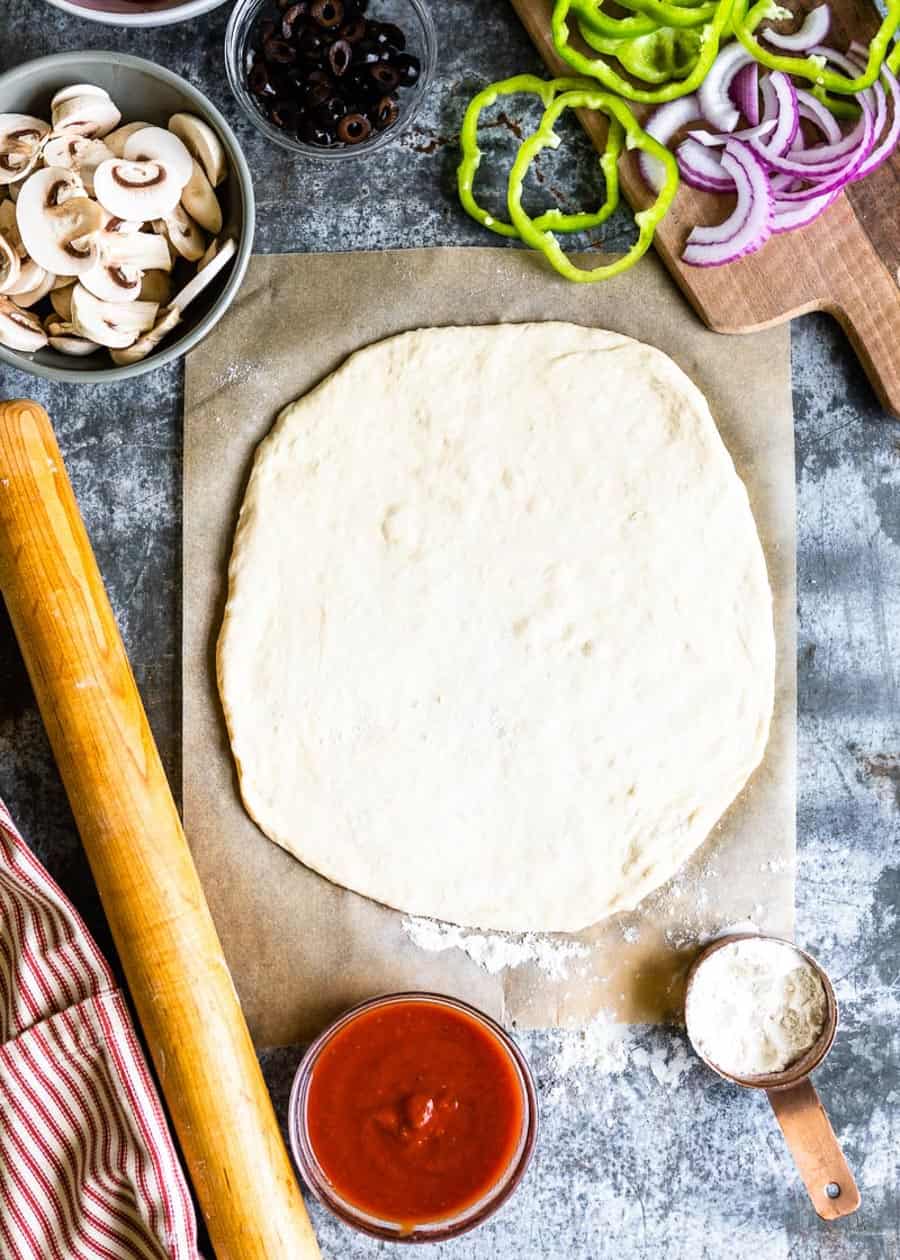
498	645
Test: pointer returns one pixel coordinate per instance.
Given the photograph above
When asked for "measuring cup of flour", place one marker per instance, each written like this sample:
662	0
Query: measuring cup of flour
762	1013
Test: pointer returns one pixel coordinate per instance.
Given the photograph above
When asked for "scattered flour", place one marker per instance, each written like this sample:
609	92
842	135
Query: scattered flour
606	1048
495	951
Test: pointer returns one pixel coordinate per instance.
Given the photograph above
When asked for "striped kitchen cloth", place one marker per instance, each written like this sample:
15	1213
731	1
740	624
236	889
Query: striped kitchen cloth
87	1166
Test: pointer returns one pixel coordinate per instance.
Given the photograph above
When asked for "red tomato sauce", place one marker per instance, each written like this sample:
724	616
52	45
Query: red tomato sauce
414	1112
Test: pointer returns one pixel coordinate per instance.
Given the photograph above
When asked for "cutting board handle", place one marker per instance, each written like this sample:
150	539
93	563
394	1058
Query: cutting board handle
817	1154
162	927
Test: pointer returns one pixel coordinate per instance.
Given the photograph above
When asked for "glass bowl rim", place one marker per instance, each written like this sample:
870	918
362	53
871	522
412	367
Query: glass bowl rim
237	32
471	1217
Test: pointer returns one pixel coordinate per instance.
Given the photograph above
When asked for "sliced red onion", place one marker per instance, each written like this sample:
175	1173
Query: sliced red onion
814	30
701	168
779	102
711	140
662	125
744	92
715	103
781	183
787	215
749	225
823	161
835	181
849	66
883	150
812	109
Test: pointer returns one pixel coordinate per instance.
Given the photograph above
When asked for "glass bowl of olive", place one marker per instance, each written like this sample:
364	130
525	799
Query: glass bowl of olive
330	78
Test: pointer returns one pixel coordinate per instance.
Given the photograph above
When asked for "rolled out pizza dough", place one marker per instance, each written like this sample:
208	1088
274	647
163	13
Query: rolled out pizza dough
498	645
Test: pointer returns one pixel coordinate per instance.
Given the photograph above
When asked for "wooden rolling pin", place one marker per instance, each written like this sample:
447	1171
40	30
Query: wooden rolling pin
176	971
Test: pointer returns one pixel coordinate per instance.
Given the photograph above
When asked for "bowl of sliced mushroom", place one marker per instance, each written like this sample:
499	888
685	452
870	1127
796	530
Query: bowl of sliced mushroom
126	216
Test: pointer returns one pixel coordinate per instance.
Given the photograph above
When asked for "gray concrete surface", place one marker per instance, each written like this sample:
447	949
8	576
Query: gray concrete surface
643	1155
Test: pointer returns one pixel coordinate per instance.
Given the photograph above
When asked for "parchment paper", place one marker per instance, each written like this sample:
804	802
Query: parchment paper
302	949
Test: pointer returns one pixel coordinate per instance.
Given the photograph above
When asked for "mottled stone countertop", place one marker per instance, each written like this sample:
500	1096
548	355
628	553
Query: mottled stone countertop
643	1154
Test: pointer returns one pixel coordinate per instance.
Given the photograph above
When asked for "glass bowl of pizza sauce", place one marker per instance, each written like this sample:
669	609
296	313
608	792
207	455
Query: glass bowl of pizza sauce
413	1117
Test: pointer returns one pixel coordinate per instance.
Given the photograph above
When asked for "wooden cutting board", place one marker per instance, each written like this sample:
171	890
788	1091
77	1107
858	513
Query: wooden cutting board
847	263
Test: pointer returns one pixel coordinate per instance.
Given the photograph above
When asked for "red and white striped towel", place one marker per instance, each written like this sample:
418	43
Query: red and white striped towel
87	1166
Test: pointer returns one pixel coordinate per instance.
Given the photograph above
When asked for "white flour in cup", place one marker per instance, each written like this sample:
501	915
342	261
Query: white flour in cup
755	1006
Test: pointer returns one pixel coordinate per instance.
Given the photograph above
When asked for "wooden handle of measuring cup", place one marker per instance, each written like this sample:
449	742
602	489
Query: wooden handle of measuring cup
160	921
819	1159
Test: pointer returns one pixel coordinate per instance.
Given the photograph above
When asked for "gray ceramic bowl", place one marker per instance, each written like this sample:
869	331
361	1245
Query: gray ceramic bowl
144	91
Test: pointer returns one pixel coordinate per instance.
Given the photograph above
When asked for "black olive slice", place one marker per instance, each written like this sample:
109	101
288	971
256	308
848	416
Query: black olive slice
340	55
354	30
279	51
327	13
408	67
384	75
292	19
386	33
258	80
385	113
353	128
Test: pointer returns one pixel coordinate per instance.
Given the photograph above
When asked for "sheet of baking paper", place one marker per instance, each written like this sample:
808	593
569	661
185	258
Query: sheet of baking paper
302	949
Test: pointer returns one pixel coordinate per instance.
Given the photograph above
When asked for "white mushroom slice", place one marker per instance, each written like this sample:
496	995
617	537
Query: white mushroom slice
136	190
10	228
20	145
116	139
155	144
20	330
31	274
61	300
156	286
211	252
201	202
142	251
86	115
76	153
112	284
63	337
10	265
57	223
196	286
171	317
184	235
31	297
112	324
203	144
147	344
76	89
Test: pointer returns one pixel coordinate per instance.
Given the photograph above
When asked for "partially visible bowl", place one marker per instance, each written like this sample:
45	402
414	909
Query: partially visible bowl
414	19
152	94
136	12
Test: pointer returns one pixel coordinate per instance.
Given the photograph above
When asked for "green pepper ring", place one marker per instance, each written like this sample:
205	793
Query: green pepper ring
807	67
591	17
660	12
627	51
597	68
546	90
636	138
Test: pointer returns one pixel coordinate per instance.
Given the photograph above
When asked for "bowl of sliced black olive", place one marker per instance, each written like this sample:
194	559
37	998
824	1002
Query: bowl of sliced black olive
330	78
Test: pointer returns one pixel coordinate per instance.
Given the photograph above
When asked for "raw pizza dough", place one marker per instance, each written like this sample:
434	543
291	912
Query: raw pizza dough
498	645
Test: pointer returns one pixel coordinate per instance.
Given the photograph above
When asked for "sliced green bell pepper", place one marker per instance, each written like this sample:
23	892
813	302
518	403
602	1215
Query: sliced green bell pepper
541	238
555	219
600	69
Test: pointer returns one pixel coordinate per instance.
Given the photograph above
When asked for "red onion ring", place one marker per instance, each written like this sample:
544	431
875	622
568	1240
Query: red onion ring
662	125
749	225
813	31
715	103
744	92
